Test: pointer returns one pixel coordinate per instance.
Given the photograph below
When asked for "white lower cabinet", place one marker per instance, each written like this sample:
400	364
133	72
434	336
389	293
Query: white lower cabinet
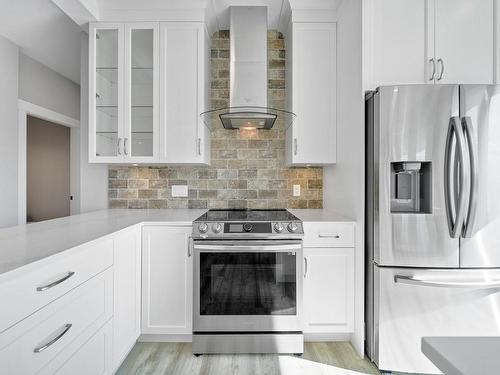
52	334
328	290
167	280
126	292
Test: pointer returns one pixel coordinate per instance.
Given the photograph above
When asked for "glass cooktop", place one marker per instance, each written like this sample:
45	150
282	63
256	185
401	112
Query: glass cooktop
248	215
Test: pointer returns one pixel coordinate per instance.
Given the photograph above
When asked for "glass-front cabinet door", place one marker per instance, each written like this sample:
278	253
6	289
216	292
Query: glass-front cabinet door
105	92
123	92
141	141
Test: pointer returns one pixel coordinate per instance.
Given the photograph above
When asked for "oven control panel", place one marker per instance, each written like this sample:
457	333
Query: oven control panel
221	229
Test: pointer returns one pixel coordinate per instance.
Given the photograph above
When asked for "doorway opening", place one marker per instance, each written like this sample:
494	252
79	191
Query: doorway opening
48	191
48	164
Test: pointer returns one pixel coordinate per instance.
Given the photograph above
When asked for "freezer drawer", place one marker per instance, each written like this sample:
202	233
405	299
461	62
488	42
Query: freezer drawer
411	303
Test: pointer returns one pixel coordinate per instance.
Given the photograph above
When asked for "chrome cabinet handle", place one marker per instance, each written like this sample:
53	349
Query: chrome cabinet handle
328	236
441	62
190	246
305	267
433	61
54	340
474	176
125	146
400	279
295	146
455	129
57	282
199	146
119	142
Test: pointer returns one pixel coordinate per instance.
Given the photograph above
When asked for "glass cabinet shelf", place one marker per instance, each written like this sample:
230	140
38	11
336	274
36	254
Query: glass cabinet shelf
140	75
113	132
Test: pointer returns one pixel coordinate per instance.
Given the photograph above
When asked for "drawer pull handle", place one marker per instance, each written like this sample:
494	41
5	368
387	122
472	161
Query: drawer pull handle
57	282
54	340
328	236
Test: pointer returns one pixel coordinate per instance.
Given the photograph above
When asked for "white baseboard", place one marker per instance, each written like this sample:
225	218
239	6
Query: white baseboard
314	337
164	338
308	337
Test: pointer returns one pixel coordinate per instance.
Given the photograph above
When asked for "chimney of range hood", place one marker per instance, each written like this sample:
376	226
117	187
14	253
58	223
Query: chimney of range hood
248	68
248	74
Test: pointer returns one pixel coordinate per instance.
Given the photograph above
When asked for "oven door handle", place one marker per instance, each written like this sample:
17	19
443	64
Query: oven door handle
260	247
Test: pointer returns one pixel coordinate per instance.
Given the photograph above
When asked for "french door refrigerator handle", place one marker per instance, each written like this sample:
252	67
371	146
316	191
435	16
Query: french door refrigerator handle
474	176
400	279
455	128
447	183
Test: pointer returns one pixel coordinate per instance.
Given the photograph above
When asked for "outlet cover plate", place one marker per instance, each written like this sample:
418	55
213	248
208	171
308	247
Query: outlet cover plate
296	190
179	190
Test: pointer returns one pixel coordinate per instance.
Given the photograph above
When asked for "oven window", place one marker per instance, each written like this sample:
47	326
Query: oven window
248	284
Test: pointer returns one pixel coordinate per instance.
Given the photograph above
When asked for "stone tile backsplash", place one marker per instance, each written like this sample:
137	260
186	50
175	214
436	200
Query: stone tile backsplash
248	168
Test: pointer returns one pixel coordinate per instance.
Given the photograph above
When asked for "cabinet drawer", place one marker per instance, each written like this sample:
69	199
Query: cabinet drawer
328	234
33	343
42	286
93	357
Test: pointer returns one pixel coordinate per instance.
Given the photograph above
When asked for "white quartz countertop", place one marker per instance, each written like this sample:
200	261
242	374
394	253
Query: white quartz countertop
463	355
314	215
25	244
29	243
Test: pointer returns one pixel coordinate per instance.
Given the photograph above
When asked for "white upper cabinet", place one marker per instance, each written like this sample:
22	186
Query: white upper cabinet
463	41
145	98
185	49
123	93
396	38
429	41
312	90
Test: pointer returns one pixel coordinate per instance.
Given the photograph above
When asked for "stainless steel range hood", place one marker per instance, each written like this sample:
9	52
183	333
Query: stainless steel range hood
248	75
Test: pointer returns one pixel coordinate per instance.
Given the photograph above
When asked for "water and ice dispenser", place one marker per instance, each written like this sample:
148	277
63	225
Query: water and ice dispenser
411	187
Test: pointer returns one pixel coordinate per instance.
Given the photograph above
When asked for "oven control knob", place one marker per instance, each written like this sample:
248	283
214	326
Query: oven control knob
217	227
203	227
278	227
292	227
247	227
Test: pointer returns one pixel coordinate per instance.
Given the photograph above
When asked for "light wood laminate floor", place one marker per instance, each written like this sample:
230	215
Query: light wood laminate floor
322	358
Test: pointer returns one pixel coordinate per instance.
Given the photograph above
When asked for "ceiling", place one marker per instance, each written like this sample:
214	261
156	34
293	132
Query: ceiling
43	32
52	36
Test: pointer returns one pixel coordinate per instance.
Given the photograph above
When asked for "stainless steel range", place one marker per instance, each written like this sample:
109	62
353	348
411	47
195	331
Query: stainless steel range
247	282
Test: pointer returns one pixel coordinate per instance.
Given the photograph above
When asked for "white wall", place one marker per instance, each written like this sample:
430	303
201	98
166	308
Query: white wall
93	177
43	86
8	132
344	182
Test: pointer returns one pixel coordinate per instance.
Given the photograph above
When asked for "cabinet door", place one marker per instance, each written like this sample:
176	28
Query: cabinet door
314	94
397	42
464	41
183	68
141	139
106	93
328	290
167	280
127	292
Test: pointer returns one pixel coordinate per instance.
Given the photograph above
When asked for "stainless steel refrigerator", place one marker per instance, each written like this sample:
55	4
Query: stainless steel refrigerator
433	219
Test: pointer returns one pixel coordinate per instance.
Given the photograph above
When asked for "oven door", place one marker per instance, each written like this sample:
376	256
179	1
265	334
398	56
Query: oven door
247	286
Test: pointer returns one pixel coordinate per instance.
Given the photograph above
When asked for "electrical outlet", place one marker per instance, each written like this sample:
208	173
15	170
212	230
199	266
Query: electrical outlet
296	190
179	190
